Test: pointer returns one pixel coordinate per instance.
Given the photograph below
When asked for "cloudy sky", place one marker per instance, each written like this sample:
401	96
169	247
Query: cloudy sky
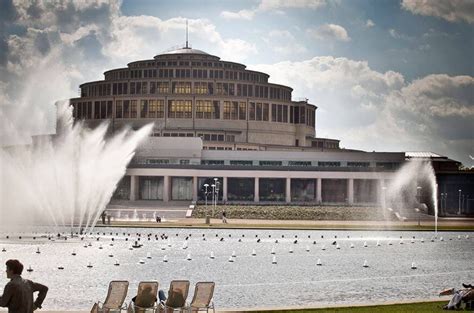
386	75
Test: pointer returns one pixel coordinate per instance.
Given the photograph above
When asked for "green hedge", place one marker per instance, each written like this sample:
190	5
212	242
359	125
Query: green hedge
293	212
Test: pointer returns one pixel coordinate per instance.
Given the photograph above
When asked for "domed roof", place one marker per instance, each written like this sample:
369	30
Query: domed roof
186	50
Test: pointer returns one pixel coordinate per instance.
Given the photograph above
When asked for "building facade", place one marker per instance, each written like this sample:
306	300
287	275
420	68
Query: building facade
217	119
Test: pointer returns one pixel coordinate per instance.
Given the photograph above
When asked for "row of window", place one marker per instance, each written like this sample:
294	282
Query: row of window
183	87
180	72
272	163
386	165
204	109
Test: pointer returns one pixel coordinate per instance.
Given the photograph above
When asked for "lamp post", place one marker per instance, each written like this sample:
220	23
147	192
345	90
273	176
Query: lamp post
418	211
418	193
213	197
441	202
459	205
205	194
216	193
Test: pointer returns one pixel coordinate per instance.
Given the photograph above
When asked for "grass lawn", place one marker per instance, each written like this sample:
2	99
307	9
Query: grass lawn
395	308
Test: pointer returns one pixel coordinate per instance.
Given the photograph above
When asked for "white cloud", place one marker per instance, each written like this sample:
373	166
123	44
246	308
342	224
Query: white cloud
452	10
275	6
267	5
283	42
371	110
329	32
242	14
369	23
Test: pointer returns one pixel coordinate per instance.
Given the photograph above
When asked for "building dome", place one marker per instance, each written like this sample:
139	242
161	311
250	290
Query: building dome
184	50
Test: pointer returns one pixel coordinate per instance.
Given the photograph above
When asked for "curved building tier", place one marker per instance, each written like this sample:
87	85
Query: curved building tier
189	93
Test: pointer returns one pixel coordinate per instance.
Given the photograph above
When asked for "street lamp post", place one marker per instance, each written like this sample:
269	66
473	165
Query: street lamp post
216	191
459	205
205	196
418	211
213	197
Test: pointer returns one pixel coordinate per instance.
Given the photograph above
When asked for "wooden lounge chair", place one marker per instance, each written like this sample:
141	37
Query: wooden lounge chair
146	298
177	296
202	299
114	302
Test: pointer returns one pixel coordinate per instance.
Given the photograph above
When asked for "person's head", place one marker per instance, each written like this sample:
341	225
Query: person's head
14	267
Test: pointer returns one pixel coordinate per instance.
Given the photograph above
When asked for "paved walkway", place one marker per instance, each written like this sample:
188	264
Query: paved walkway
450	223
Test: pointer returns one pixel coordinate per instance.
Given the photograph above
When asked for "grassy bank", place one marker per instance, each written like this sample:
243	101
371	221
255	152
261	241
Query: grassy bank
275	212
394	308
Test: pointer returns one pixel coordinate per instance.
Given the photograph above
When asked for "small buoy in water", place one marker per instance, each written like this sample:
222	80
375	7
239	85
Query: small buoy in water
73	252
378	243
233	254
189	257
389	243
38	250
412	240
307	248
401	241
422	240
273	251
90	244
29	269
165	259
185	245
365	264
413	266
318	262
163	248
231	259
441	239
274	260
459	236
352	246
291	250
100	247
89	265
467	236
323	247
212	255
111	255
365	244
338	247
141	261
60	268
85	245
148	255
116	263
254	253
111	244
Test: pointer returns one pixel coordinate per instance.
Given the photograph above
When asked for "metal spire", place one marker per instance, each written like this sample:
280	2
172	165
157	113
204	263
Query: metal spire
187	34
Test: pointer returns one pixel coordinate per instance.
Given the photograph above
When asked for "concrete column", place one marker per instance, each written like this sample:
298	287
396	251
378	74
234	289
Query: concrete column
288	190
133	187
319	198
381	191
166	188
256	192
350	191
224	189
195	188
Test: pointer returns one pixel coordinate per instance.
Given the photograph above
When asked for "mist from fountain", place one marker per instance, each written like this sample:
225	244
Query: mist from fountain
409	185
66	179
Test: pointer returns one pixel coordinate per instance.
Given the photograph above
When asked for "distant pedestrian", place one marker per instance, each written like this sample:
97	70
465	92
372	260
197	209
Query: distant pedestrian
18	292
108	219
224	217
158	219
103	217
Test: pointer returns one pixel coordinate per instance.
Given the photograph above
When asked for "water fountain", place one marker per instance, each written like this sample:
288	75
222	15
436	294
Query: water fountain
66	179
414	182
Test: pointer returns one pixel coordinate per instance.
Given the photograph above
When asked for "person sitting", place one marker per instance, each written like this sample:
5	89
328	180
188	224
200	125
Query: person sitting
463	295
145	299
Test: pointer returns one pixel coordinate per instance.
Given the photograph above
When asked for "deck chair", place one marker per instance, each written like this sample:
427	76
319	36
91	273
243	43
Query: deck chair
177	296
202	299
114	302
145	300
